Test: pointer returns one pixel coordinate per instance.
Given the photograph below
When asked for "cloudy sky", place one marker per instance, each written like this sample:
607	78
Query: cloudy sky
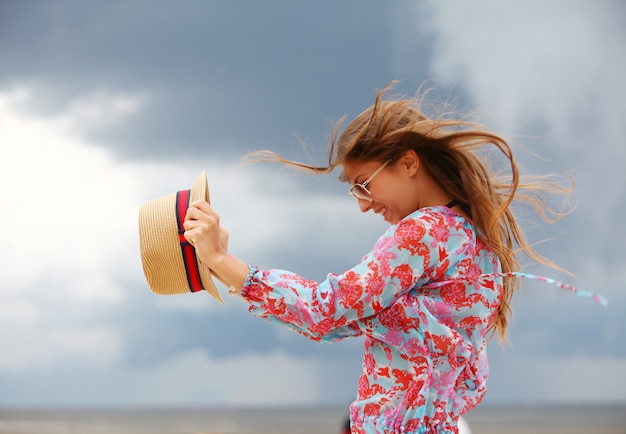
106	105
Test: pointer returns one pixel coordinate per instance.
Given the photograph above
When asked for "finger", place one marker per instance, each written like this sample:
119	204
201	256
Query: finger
190	224
201	210
202	205
199	220
193	213
189	237
194	219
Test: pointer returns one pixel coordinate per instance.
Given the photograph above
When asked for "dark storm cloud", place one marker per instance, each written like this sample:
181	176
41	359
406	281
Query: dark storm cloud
219	77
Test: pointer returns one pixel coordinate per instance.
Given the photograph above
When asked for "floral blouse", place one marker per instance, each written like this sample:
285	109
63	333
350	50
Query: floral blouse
424	310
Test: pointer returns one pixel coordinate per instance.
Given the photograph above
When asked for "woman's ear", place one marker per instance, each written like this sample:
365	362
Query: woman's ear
410	162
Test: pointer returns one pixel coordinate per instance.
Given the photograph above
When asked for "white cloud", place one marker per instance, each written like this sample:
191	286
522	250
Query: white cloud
58	194
532	60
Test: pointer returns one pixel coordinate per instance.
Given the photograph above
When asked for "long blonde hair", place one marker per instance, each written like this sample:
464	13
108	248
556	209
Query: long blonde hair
448	149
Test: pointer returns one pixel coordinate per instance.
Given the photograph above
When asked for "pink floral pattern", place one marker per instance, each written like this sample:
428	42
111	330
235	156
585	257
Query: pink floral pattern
417	299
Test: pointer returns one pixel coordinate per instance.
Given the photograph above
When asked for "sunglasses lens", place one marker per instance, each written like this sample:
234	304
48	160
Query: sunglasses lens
360	192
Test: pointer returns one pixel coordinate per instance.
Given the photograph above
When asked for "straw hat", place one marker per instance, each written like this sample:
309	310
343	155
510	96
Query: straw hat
169	261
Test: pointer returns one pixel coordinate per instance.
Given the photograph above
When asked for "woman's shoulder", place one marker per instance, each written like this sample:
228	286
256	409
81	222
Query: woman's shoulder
432	225
439	216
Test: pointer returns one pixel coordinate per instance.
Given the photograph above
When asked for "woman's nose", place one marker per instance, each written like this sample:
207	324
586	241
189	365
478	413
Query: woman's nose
364	204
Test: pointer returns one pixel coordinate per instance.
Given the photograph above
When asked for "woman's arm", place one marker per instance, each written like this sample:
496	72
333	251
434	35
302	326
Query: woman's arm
405	257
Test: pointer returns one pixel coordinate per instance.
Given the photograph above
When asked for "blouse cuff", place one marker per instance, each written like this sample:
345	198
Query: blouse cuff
250	279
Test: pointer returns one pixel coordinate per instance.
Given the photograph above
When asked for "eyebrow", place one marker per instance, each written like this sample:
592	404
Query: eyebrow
344	178
357	177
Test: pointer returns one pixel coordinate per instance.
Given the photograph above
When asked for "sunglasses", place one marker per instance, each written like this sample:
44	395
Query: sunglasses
360	191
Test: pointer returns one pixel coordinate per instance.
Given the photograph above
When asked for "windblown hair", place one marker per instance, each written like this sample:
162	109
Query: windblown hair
450	150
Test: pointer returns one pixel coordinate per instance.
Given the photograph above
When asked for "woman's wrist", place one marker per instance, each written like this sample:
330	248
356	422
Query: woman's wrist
231	271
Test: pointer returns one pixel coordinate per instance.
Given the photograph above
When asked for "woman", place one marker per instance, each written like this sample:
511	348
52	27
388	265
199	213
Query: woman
429	293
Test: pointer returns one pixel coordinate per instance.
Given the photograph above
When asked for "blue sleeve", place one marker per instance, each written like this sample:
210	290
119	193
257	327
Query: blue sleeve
405	256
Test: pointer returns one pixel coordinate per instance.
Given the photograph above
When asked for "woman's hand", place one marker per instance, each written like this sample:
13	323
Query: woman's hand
203	231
